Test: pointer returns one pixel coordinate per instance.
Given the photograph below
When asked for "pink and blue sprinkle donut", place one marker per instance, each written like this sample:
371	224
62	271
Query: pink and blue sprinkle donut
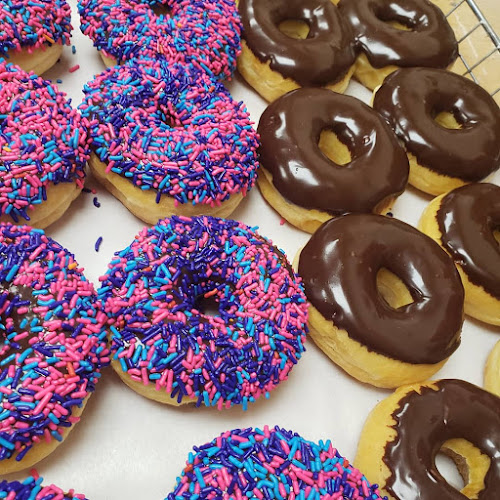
33	24
271	464
42	142
173	130
53	342
156	292
205	33
32	489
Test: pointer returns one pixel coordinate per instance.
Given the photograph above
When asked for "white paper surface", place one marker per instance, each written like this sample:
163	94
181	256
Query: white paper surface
127	447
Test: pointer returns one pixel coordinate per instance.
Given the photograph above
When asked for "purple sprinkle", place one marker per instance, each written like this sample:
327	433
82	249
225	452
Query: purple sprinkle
98	243
96	202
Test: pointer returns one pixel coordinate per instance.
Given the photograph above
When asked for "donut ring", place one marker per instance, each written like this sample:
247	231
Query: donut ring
464	223
169	140
32	34
204	34
274	63
399	33
43	149
412	99
302	183
270	463
404	433
358	328
167	348
53	346
492	371
32	489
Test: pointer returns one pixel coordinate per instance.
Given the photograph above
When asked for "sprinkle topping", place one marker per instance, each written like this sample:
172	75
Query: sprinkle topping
171	129
32	489
270	464
53	339
157	291
42	141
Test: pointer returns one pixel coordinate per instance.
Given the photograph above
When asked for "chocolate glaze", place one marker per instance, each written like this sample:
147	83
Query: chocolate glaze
290	130
424	422
322	58
431	41
339	267
409	99
467	218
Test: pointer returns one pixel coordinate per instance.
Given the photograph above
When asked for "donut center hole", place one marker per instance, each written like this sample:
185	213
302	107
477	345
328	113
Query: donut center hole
332	147
396	20
447	120
449	469
294	28
161	9
392	289
208	305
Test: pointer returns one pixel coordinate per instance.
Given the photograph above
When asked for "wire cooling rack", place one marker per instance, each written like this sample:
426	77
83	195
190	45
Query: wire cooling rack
479	44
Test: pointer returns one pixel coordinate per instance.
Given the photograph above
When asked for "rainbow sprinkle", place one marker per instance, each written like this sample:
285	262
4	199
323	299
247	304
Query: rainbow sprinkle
173	130
42	141
54	340
32	489
270	464
155	293
204	33
33	24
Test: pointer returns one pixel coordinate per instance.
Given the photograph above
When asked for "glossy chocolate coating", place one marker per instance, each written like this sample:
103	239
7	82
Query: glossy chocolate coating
431	41
322	58
339	267
467	218
423	422
290	130
409	99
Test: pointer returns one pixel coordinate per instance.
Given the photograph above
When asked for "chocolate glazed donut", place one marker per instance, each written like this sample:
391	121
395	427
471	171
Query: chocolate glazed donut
324	57
409	100
290	130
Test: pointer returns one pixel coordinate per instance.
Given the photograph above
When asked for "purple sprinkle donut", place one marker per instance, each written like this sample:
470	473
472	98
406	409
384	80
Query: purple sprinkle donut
169	347
43	148
53	344
32	489
205	33
270	464
173	132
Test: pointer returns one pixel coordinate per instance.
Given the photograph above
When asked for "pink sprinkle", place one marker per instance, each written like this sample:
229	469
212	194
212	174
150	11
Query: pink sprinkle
282	221
74	68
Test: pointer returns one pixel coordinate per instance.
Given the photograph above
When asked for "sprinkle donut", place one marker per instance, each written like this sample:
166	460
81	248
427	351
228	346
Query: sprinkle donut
32	34
272	464
205	33
169	140
53	345
166	344
43	149
32	489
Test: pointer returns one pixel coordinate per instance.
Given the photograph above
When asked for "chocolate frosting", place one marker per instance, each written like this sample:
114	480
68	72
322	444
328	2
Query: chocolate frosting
431	41
409	99
324	57
339	267
290	130
467	218
424	422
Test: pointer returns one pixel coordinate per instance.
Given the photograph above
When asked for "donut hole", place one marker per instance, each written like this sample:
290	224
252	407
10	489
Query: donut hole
294	28
333	148
448	466
392	289
161	9
446	119
396	20
209	306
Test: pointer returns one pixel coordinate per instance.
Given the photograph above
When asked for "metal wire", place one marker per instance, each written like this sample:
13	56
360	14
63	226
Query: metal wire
482	22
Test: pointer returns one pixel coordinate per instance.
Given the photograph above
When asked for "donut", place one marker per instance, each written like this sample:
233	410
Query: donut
53	345
466	223
449	126
279	55
32	489
43	149
404	433
398	34
32	34
386	301
272	464
169	346
204	33
492	371
167	140
323	154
